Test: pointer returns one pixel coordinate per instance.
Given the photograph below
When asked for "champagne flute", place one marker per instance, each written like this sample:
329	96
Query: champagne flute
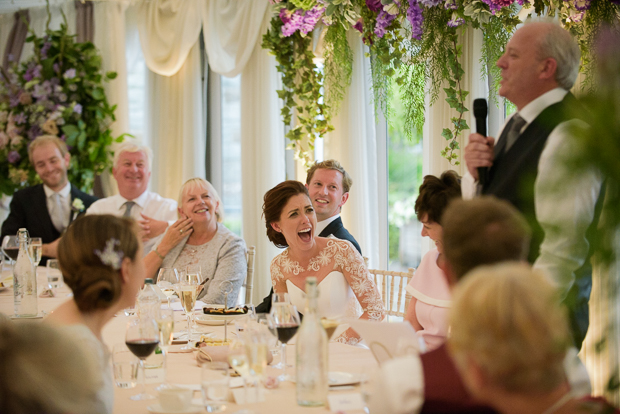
190	283
142	337
36	248
166	279
165	321
286	320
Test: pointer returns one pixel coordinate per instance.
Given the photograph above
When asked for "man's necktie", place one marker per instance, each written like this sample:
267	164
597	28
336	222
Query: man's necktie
128	206
58	214
517	124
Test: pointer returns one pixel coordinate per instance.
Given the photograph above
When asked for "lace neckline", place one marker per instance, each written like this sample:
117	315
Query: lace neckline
314	262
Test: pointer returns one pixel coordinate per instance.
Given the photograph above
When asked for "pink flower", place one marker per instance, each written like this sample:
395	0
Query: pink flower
359	25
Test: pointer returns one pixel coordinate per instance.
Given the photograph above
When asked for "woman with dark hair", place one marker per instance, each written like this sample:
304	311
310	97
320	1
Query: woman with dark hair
428	310
345	287
100	257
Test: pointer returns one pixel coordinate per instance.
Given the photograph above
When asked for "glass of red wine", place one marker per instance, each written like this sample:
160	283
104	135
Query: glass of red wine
285	318
10	247
142	337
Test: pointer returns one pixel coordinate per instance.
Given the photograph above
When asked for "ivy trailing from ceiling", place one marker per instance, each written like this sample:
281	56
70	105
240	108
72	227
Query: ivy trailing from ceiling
416	43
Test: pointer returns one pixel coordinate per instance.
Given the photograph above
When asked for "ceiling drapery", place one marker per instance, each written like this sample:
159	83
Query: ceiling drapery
169	28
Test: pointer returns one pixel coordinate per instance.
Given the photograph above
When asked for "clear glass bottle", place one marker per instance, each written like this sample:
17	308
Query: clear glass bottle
25	279
311	350
148	303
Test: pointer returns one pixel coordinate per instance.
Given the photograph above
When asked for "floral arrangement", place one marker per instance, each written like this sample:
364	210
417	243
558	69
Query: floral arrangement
58	91
415	42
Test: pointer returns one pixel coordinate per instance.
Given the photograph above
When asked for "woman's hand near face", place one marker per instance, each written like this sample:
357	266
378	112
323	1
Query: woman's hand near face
175	233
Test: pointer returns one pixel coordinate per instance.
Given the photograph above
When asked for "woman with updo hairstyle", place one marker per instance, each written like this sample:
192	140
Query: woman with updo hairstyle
345	287
100	257
509	338
427	311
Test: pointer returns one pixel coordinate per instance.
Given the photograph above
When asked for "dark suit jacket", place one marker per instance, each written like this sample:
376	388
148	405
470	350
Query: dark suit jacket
336	229
29	210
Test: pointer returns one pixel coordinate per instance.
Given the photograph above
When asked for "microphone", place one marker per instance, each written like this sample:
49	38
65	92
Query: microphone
480	112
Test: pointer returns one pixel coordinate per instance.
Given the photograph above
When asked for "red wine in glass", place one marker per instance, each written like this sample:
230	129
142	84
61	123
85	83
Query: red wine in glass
142	347
286	332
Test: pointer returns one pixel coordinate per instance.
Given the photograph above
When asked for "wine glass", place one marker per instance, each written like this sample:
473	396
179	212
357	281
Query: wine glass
165	322
10	248
189	285
166	279
36	248
142	337
238	360
330	325
285	318
214	384
271	335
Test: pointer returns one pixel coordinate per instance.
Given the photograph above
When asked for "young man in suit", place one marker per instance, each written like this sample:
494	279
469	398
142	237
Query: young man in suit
45	210
328	184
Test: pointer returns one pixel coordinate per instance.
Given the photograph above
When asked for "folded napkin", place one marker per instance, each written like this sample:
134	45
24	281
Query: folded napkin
212	354
47	293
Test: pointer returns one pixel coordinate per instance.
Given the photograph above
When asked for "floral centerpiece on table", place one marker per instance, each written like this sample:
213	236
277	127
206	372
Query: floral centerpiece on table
58	91
417	43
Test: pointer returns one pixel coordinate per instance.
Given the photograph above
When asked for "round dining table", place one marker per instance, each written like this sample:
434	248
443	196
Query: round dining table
183	368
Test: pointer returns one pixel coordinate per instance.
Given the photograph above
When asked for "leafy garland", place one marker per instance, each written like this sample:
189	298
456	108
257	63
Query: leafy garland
414	41
58	91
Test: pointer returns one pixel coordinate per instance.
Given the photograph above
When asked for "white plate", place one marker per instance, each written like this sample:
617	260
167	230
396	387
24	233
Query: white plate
342	378
207	320
158	409
222	317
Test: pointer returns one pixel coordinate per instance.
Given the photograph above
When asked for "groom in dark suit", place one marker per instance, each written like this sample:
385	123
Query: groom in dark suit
45	210
328	185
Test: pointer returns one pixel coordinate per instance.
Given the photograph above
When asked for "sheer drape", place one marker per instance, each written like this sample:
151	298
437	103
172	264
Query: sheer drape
109	38
262	154
231	31
13	43
353	143
174	126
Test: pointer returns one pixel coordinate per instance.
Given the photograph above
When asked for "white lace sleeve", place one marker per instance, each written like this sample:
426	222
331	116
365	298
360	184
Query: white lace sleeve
351	264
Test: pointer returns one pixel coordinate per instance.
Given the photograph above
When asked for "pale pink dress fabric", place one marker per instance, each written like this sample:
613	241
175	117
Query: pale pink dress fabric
429	286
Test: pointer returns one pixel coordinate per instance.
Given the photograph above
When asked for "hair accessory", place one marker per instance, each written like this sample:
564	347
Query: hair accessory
109	256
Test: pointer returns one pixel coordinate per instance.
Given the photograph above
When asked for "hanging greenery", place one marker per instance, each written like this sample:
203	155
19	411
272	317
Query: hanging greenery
417	42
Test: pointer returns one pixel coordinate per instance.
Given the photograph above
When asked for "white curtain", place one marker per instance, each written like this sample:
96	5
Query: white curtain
109	38
231	31
353	144
174	126
262	154
169	29
6	24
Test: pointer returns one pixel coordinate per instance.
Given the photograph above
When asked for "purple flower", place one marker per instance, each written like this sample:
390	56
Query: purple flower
451	5
42	91
374	5
522	2
582	5
13	101
359	25
13	157
69	74
46	47
294	22
77	108
384	19
310	19
285	15
56	67
456	21
416	18
19	119
431	3
496	5
34	132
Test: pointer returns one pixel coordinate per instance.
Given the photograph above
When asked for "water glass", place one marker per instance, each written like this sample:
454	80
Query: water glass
214	383
125	366
54	275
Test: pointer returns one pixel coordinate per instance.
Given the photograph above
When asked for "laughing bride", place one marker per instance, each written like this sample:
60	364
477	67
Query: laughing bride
345	287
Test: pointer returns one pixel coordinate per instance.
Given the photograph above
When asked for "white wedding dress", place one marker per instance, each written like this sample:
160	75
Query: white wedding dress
336	299
346	291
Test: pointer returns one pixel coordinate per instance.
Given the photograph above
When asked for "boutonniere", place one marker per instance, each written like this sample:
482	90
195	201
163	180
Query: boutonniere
78	205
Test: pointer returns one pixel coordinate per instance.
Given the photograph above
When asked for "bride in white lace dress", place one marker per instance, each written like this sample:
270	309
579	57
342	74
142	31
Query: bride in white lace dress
345	287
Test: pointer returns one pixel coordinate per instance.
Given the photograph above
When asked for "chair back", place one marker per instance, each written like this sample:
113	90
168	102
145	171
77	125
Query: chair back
392	286
249	278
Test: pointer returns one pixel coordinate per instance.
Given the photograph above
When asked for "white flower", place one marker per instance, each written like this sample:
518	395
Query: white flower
78	205
391	9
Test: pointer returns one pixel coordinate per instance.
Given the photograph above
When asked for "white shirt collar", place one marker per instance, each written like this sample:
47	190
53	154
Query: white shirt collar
63	193
320	226
534	108
140	200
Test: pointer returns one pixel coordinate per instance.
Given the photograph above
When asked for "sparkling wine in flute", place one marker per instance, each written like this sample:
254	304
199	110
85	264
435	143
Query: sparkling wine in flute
330	327
188	298
166	327
286	332
168	291
35	253
257	353
142	347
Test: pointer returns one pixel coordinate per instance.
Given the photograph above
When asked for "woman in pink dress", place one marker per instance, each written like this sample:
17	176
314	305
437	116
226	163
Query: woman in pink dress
428	310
